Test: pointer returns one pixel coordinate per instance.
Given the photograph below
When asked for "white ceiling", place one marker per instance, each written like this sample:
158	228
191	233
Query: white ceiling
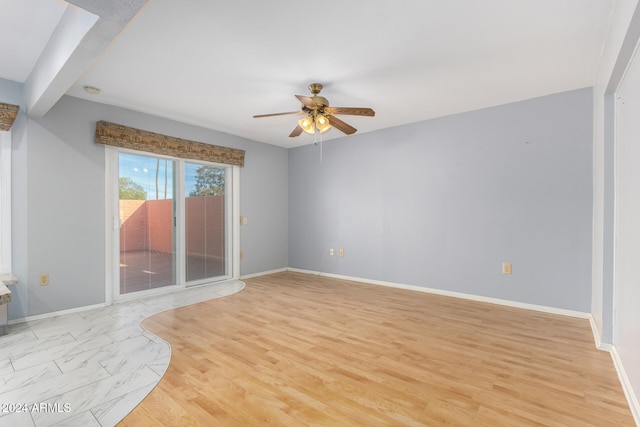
215	64
25	28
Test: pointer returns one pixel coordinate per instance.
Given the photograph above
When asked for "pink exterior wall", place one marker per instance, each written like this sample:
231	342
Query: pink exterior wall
133	229
205	214
147	225
160	220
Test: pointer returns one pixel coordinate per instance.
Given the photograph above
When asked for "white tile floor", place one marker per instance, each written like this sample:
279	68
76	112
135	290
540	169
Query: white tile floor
89	368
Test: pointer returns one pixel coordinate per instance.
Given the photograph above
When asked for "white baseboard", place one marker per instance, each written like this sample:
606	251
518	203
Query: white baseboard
263	273
596	336
625	382
55	313
634	405
542	308
118	301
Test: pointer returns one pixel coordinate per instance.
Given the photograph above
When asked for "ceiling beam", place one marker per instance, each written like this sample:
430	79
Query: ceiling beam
85	30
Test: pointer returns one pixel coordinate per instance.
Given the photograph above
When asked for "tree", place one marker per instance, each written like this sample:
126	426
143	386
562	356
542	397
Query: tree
131	190
209	182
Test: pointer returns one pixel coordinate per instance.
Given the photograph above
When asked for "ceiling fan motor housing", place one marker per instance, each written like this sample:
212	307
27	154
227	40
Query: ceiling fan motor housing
319	101
315	88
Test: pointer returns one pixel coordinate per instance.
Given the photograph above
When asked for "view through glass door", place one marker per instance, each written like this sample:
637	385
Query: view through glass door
175	225
147	232
205	222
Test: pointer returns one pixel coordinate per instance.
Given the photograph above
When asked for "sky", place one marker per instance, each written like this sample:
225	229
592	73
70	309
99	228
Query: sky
142	170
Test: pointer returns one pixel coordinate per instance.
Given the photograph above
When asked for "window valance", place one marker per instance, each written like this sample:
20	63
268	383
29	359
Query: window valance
116	135
8	114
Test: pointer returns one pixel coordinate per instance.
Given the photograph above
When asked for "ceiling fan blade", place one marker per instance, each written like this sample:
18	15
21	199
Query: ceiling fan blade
351	111
296	132
307	101
341	126
257	116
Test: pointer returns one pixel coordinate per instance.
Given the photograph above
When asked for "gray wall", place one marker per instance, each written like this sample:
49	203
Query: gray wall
11	92
59	190
442	203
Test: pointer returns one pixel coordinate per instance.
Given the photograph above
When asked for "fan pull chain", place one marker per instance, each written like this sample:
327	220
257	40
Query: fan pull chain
315	142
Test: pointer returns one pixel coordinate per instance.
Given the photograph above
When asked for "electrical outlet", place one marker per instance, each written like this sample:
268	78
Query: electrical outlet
342	252
331	252
44	279
506	268
241	255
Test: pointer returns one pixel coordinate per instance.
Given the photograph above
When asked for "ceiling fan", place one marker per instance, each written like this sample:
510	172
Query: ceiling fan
319	116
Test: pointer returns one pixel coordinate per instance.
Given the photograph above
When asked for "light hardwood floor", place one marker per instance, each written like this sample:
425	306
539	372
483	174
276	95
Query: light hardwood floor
295	349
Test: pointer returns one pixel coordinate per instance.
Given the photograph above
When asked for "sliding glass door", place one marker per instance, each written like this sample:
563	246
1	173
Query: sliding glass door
173	226
147	232
205	222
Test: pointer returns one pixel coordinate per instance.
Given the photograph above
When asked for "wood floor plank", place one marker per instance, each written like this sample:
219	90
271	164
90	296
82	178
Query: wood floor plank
298	349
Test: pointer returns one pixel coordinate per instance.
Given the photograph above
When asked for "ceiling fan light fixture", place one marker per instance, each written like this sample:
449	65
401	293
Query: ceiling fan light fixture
318	116
322	123
306	123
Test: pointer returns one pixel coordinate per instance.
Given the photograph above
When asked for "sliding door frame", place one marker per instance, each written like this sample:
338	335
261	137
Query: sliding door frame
112	227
